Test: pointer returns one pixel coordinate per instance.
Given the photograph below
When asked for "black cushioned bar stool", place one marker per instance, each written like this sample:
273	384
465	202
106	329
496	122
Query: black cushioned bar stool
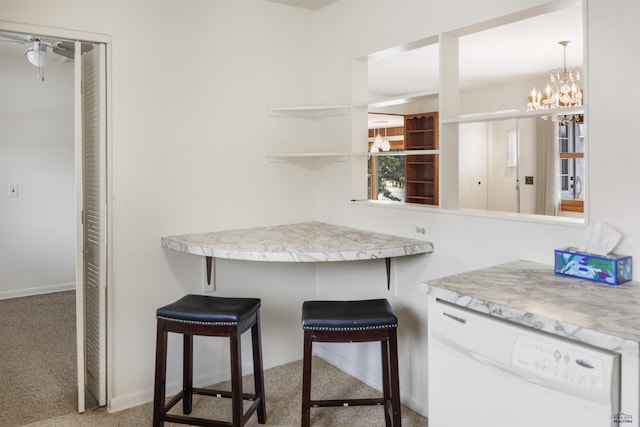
353	321
216	317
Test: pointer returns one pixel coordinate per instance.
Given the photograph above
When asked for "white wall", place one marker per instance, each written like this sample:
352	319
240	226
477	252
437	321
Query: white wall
462	241
37	240
191	82
190	134
190	131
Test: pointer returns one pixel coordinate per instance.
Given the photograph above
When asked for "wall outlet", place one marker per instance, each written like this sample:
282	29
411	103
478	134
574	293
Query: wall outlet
12	190
422	231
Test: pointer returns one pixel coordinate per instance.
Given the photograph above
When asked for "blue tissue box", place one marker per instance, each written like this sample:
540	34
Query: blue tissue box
612	269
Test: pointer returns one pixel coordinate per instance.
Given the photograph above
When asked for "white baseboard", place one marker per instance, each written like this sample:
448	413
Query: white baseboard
372	379
27	292
130	400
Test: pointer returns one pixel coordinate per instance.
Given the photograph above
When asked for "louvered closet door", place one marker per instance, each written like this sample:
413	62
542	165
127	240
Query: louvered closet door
94	259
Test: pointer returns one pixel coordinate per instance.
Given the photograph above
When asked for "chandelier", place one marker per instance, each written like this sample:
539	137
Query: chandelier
561	92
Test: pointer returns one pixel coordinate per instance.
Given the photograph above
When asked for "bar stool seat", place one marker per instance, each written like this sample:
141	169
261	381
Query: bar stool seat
209	316
353	321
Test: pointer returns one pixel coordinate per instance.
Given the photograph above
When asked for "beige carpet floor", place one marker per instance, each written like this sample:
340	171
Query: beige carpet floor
283	387
37	358
38	379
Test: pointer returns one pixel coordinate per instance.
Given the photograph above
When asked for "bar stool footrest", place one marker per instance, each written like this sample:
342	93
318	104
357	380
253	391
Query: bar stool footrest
221	393
347	402
202	422
195	421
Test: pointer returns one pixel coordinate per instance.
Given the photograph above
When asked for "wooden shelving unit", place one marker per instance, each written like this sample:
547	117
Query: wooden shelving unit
421	170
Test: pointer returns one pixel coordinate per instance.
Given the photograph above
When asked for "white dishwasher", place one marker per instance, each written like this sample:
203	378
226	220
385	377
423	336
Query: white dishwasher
488	372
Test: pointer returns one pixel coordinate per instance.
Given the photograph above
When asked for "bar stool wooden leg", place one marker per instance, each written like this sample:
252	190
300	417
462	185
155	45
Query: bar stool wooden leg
258	379
187	374
386	388
395	377
306	380
236	378
161	369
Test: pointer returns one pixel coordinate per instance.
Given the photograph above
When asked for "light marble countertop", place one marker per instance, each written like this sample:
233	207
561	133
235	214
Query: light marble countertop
532	294
303	242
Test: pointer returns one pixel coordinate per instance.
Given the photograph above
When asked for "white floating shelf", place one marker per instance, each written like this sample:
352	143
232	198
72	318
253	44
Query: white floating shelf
398	100
313	111
311	108
320	157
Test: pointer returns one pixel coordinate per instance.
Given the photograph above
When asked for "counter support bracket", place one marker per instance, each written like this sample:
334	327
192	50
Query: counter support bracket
387	262
210	261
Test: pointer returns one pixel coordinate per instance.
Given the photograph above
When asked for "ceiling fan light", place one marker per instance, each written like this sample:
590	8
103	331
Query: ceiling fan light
37	55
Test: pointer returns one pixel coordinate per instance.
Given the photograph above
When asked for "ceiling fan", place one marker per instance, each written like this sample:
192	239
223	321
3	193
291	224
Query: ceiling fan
40	50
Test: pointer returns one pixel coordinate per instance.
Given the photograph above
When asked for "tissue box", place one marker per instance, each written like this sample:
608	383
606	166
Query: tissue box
611	269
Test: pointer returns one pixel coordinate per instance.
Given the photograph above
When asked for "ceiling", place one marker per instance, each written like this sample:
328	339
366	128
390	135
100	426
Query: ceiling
523	50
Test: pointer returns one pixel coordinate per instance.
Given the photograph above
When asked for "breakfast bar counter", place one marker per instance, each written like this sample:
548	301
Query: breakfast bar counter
303	242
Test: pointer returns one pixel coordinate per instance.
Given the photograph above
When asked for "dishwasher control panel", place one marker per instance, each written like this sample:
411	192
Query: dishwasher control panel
559	361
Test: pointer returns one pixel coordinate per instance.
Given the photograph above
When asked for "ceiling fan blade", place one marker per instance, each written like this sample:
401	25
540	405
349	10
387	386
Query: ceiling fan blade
16	38
68	49
70	46
63	52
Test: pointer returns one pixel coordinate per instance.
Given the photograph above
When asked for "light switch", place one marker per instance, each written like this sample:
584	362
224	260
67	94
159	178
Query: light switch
12	190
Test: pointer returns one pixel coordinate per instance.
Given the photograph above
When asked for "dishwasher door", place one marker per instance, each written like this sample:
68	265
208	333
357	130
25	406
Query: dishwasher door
488	372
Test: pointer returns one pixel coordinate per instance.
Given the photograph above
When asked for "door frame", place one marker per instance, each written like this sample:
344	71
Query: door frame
61	33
